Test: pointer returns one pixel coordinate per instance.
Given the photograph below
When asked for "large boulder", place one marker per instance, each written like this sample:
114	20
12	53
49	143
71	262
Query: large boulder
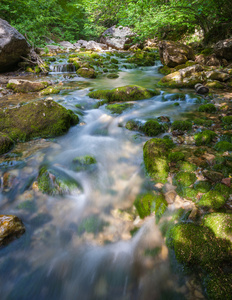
26	86
13	46
90	45
117	37
173	54
223	49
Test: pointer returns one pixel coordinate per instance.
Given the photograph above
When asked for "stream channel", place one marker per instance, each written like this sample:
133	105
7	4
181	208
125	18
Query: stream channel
79	246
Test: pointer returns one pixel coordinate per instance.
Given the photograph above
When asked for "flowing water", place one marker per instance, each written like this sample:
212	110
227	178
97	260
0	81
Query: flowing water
79	246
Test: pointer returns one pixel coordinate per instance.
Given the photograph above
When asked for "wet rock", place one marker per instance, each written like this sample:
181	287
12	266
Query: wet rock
36	119
11	227
87	72
117	37
217	75
6	143
173	54
213	176
201	89
223	49
13	45
25	86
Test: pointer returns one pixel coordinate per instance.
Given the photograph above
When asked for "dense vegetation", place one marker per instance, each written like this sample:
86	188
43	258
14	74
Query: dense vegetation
74	19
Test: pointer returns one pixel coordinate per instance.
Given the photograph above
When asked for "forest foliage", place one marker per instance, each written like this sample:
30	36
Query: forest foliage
74	19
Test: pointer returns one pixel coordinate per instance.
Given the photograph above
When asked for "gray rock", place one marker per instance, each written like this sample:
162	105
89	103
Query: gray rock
13	45
201	89
223	49
66	44
117	37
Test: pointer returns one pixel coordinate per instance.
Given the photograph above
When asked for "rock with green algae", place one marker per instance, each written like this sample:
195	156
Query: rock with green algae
159	206
186	166
155	154
197	245
35	120
213	176
125	93
181	125
205	137
203	122
187	192
209	108
6	143
26	86
112	76
218	286
50	90
87	72
92	224
152	128
176	156
212	199
132	125
82	163
11	227
223	146
223	189
53	181
227	120
214	84
118	108
185	179
142	58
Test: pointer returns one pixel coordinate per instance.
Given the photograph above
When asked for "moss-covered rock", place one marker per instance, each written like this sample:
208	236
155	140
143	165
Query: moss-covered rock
53	181
205	137
159	206
186	166
176	156
184	178
209	108
203	122
142	58
223	146
181	125
6	143
82	163
212	175
92	224
155	154
223	189
202	186
112	76
212	199
50	90
26	86
118	108
187	192
143	204
197	245
125	93
36	119
227	120
87	72
132	125
214	84
218	286
152	128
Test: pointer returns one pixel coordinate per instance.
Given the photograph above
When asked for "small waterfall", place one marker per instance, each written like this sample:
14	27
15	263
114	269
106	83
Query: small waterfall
63	68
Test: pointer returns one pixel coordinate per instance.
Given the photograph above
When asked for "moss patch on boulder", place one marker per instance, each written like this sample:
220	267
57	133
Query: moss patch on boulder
26	86
155	154
223	146
6	143
125	93
184	179
205	137
181	125
118	108
152	128
82	163
50	90
87	72
209	108
212	199
36	119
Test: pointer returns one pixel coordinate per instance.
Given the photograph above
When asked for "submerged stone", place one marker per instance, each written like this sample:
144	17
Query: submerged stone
82	163
11	227
152	128
118	108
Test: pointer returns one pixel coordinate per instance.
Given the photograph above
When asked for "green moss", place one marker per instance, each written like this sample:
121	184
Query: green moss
141	58
86	72
26	86
132	125
227	120
118	108
205	137
212	199
6	143
92	224
173	97
209	108
50	90
197	245
223	189
152	128
176	104
184	178
203	122
181	125
112	76
186	166
214	84
36	119
53	181
125	93
218	286
202	186
176	156
143	204
223	146
159	206
165	70
83	162
187	192
155	154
